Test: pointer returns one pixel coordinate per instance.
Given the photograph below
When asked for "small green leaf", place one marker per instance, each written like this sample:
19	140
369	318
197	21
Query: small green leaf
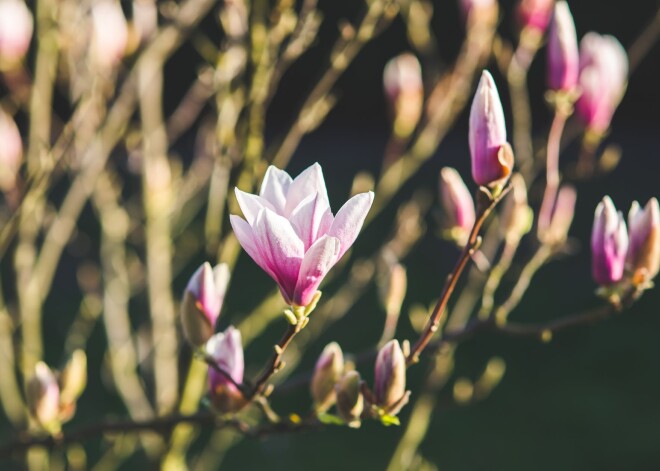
330	419
388	420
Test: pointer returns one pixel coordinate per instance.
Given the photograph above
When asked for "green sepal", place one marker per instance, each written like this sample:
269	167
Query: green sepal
330	419
388	420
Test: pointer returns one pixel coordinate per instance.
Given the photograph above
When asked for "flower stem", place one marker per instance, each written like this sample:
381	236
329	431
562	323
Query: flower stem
552	168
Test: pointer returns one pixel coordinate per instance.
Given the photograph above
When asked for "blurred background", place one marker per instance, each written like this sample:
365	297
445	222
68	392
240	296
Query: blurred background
588	399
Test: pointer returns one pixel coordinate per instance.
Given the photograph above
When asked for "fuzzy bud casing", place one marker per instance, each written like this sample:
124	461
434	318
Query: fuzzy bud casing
327	372
390	375
43	397
350	401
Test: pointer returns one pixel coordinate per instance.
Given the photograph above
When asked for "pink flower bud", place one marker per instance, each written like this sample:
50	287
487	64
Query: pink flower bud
563	61
603	77
457	204
109	34
609	244
390	375
11	151
43	397
350	401
402	80
202	302
534	13
492	158
16	26
226	350
327	372
644	234
290	232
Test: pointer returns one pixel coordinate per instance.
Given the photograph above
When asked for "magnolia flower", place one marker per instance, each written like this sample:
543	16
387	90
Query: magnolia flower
609	244
202	302
390	377
644	234
290	232
563	58
492	158
226	350
16	26
534	13
402	80
457	204
109	34
43	397
327	372
11	151
603	76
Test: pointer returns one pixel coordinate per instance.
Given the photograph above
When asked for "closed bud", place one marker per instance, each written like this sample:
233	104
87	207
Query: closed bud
609	244
73	379
534	13
11	151
226	351
202	302
492	158
109	34
16	27
390	375
643	257
327	372
402	80
563	60
561	219
457	204
603	78
517	216
350	402
43	398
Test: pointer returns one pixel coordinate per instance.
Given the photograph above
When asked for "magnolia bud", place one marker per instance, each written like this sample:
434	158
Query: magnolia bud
603	77
202	302
534	13
327	372
562	217
517	216
226	350
390	375
457	203
43	397
109	34
563	58
11	151
609	243
644	233
350	402
16	26
492	158
402	79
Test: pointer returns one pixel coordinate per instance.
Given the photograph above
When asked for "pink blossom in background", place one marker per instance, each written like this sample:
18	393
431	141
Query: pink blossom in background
11	151
456	201
109	34
491	163
534	13
644	237
226	350
609	244
16	27
603	78
563	59
290	231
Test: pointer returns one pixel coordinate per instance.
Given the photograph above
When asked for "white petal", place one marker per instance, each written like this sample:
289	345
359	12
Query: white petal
251	205
319	259
309	182
274	188
349	220
309	218
248	240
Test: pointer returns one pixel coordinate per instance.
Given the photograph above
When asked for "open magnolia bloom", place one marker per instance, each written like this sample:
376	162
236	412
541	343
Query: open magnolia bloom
290	232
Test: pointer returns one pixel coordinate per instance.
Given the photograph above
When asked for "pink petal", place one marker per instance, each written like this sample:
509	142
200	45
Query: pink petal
281	247
275	187
251	205
349	219
311	218
318	260
246	237
309	182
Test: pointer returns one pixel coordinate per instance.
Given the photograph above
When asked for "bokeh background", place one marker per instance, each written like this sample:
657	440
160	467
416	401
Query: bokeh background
586	400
